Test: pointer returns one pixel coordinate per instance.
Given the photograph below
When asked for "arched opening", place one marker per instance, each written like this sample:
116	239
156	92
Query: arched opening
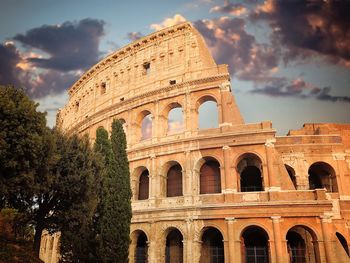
175	119
174	247
208	113
301	245
291	174
146	126
212	249
255	245
322	175
143	185
141	251
250	173
210	178
174	181
343	242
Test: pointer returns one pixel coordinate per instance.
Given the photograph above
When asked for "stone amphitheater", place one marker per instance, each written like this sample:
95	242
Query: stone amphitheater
234	192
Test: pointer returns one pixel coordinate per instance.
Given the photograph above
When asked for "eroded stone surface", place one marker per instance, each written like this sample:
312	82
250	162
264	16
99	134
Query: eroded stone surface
234	180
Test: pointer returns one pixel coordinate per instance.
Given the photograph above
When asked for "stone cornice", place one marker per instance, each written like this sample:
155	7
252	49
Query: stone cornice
125	51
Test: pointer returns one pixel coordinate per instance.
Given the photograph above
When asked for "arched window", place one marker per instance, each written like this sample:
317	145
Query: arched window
141	252
250	173
322	175
301	245
212	246
210	178
175	120
255	245
208	114
174	247
174	181
343	242
291	174
144	185
146	126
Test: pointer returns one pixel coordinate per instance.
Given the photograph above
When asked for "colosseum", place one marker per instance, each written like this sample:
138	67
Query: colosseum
231	192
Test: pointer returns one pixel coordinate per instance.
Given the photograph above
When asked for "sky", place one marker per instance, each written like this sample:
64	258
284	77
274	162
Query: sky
289	60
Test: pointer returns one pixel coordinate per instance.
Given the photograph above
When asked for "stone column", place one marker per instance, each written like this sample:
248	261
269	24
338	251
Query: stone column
280	250
153	247
132	249
196	253
326	224
273	180
153	193
188	242
226	251
187	176
232	253
226	153
225	106
340	172
223	179
190	118
155	123
230	174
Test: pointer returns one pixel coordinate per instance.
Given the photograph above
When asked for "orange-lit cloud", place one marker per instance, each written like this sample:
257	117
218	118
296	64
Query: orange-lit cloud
171	21
234	9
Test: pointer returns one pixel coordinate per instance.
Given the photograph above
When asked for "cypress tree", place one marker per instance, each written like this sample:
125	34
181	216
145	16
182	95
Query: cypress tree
122	217
115	206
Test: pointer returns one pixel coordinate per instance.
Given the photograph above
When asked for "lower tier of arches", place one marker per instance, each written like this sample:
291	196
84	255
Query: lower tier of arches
252	240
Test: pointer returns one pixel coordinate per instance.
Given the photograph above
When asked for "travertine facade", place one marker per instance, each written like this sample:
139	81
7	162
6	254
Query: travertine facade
235	193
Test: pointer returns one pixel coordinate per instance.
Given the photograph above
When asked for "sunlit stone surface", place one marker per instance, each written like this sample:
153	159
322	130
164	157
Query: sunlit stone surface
208	187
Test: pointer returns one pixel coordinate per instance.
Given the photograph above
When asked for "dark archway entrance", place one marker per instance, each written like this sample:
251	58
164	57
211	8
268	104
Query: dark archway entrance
174	247
255	245
302	245
210	178
291	174
141	252
212	250
144	185
174	181
343	242
250	173
322	175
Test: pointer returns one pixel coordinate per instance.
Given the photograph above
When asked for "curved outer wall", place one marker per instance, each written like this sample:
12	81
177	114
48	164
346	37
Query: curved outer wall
173	68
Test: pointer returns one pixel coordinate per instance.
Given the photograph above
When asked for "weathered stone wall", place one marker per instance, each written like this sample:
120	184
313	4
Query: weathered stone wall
173	68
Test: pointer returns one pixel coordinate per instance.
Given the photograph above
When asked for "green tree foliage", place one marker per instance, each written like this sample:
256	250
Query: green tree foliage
51	179
22	143
65	195
78	231
115	207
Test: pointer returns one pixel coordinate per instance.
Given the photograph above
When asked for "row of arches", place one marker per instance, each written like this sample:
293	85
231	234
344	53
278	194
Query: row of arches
207	110
320	175
250	172
301	245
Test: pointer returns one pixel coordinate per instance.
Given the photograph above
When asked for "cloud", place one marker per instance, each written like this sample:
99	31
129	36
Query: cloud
307	28
235	9
171	21
231	44
132	36
71	45
50	82
298	88
9	58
